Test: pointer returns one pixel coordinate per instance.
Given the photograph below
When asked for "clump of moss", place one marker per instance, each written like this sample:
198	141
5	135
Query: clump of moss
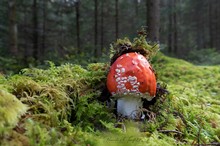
139	45
11	109
193	100
68	92
57	96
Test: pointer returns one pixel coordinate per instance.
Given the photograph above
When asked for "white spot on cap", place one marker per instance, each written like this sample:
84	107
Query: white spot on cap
135	86
119	86
133	90
117	70
124	88
132	78
116	76
123	70
118	79
133	82
134	62
124	78
119	65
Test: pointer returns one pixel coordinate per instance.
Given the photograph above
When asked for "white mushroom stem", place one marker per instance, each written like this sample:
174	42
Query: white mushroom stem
129	106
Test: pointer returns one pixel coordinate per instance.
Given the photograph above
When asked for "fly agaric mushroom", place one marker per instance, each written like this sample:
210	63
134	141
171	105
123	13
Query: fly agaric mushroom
130	79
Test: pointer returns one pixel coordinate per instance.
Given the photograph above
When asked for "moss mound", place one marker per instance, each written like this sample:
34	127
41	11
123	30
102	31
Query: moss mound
138	45
64	110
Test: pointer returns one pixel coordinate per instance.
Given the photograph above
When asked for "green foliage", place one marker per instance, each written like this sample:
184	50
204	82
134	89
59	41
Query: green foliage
195	91
11	109
56	92
63	107
139	45
9	65
204	57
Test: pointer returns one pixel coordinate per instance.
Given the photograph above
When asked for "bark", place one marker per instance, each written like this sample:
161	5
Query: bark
43	47
77	4
96	53
211	44
136	7
13	39
35	29
102	25
170	27
199	6
116	19
146	6
217	25
175	27
27	52
153	19
213	24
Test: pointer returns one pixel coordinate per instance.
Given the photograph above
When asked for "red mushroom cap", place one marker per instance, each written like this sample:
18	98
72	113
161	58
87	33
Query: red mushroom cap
131	73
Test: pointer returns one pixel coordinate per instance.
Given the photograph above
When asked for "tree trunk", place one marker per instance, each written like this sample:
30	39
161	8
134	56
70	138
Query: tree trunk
27	51
170	27
13	39
211	44
136	7
213	23
153	19
35	29
217	25
102	25
77	4
42	50
175	28
116	19
96	53
199	6
146	7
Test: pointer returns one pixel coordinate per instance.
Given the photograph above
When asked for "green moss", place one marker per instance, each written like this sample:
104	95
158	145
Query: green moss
63	106
11	109
195	91
139	45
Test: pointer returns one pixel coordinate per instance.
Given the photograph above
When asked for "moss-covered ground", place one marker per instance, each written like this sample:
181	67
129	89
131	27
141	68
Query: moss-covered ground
59	106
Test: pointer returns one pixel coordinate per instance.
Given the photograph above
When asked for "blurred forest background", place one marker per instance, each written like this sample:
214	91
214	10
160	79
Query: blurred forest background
81	31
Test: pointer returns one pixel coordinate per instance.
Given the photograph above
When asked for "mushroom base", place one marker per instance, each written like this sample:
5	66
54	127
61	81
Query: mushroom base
129	106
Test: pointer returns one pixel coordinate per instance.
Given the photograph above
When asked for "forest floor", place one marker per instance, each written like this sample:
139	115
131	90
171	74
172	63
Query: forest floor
59	106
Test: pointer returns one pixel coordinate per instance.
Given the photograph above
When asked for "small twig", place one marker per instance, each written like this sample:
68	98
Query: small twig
198	138
170	131
182	118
